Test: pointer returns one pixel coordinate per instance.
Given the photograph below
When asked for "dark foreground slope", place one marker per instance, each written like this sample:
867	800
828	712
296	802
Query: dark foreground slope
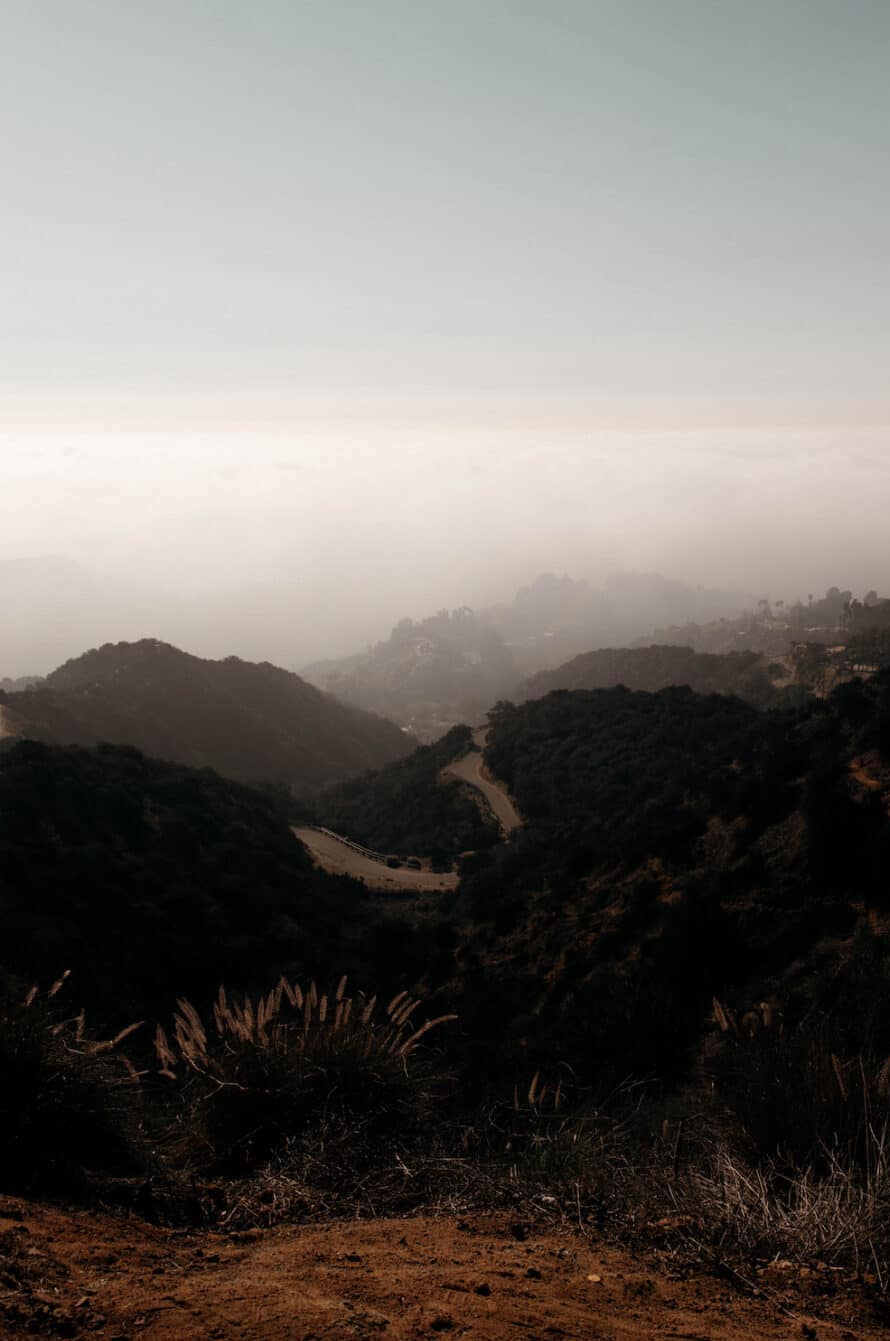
248	721
679	847
149	880
676	847
658	667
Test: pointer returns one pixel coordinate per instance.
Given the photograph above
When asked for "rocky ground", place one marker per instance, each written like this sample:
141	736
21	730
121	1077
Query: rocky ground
93	1275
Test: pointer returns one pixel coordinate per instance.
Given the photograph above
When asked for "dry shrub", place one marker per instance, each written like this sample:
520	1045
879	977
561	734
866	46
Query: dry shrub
543	1158
69	1104
789	1152
269	1070
797	1097
757	1211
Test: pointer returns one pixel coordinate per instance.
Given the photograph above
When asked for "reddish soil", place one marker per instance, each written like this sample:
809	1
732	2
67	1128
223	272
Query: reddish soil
82	1275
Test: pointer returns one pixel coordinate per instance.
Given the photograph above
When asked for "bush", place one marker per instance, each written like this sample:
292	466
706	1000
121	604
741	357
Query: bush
758	1211
795	1096
277	1067
69	1104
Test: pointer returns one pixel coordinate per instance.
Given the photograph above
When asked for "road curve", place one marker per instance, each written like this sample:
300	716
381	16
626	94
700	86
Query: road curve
471	769
338	857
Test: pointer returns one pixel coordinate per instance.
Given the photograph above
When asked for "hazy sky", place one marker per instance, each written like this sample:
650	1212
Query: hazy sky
421	297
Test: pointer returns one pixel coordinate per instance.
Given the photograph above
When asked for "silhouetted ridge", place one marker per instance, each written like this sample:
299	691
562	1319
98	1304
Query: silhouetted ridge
246	720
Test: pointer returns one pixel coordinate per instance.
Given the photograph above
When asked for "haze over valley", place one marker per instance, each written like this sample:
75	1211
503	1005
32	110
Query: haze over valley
444	670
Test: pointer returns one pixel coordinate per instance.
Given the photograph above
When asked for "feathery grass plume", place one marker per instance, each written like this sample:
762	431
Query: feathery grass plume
289	1059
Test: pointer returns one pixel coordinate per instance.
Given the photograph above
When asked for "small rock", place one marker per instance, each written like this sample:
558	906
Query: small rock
483	1289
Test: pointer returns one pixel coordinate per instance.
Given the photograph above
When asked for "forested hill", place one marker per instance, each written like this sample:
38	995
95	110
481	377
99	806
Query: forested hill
410	808
679	847
657	667
151	881
676	847
250	721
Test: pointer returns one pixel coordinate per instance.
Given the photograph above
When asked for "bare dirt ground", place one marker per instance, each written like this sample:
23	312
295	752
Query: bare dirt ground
340	859
82	1275
471	769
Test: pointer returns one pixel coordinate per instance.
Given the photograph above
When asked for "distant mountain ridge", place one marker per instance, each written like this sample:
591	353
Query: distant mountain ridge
658	667
428	675
556	617
248	721
434	673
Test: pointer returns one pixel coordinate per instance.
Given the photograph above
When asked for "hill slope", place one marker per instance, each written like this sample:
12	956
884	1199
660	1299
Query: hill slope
409	807
678	847
248	721
657	667
149	880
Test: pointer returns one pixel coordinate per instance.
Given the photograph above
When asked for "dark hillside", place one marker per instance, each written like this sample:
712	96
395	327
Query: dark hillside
248	721
149	880
658	667
407	808
678	847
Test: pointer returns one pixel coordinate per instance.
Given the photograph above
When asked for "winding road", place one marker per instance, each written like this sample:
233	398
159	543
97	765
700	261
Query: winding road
471	769
340	856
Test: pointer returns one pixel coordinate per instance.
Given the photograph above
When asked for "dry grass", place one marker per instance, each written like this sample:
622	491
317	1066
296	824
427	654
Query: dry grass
758	1212
268	1069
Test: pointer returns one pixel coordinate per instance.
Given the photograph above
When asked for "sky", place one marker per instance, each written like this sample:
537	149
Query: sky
406	301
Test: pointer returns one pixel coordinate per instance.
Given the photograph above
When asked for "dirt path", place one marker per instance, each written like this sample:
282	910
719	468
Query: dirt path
88	1275
471	769
339	858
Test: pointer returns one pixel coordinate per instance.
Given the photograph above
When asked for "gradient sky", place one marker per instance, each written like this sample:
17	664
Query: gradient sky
332	278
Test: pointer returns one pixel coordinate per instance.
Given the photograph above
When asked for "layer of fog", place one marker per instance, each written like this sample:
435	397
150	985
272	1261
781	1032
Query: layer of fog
291	546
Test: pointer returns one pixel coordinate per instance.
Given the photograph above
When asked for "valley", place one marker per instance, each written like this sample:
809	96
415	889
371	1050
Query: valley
557	970
445	671
341	856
